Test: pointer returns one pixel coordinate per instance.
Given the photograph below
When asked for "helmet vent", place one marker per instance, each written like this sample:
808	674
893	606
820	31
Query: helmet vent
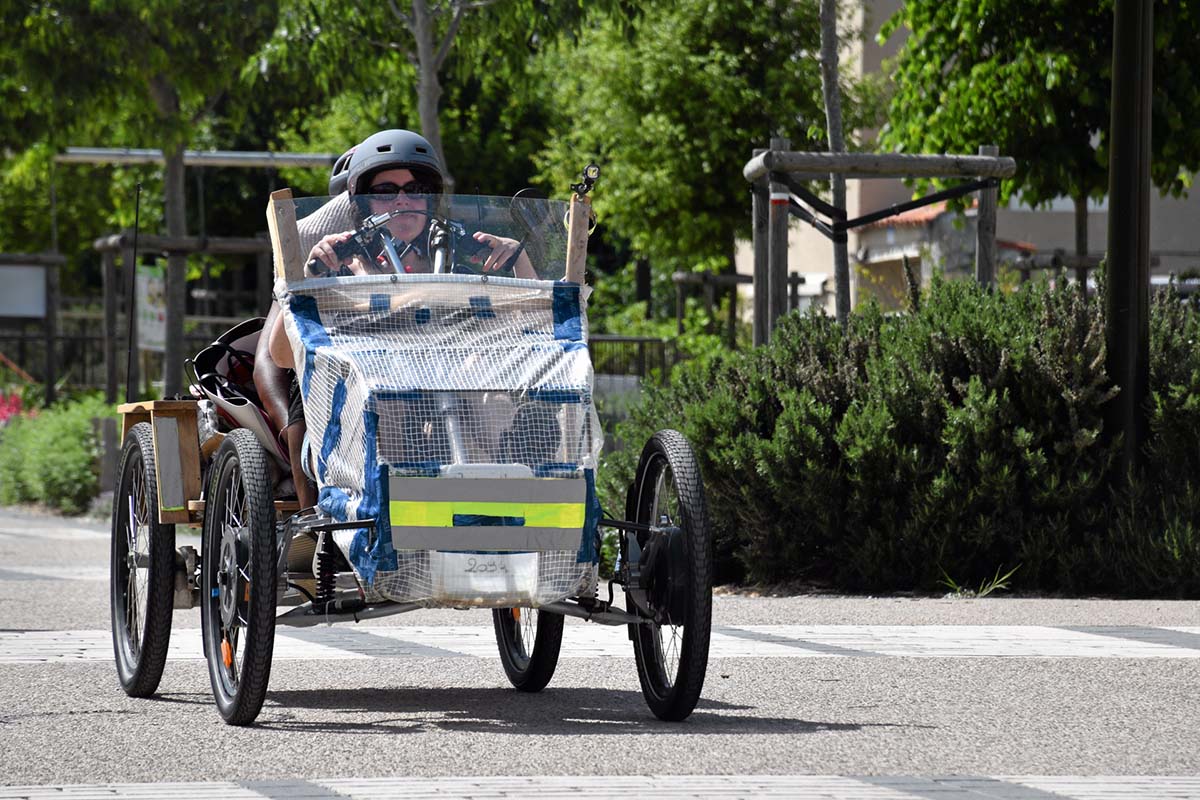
420	149
386	148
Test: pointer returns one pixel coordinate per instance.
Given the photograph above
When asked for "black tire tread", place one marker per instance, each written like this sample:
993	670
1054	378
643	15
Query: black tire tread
255	668
543	661
160	576
681	700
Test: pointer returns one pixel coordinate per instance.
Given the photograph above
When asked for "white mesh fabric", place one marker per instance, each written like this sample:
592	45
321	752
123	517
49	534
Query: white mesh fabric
392	366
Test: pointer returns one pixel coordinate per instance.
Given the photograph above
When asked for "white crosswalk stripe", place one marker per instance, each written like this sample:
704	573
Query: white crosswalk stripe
597	641
619	787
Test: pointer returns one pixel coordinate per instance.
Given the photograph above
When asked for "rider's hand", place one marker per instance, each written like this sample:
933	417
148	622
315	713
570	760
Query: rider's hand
323	250
502	250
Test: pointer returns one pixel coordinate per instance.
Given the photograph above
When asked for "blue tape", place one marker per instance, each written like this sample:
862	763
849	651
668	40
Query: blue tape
380	303
567	317
333	431
591	522
557	395
482	307
476	520
312	333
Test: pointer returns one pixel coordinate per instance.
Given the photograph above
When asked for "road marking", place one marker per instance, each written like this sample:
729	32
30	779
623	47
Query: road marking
599	641
620	787
14	572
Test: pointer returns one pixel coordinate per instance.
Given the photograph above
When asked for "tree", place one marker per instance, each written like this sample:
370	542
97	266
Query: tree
670	106
140	73
1034	78
500	35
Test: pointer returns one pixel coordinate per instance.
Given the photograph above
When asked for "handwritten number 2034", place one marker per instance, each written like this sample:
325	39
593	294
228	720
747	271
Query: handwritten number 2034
474	565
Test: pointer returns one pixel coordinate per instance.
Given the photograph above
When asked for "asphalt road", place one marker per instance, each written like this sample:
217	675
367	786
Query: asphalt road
797	686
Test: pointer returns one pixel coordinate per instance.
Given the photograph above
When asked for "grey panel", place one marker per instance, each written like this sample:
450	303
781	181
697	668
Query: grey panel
485	537
170	467
488	490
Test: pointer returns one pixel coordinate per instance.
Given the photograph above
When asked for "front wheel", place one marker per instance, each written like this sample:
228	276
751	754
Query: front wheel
672	651
141	569
237	611
529	642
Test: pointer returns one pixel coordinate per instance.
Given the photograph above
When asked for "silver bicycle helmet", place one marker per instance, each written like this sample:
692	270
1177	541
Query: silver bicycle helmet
393	149
340	174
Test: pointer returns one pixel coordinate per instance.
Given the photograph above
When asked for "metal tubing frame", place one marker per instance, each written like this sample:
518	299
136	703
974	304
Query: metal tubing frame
835	230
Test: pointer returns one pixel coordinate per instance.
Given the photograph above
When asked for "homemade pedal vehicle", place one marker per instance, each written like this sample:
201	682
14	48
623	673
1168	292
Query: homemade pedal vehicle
453	441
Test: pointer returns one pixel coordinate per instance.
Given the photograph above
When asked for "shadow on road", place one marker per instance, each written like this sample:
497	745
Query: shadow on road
553	712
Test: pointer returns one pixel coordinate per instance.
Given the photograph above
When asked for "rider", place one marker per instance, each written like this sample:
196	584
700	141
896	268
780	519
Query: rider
389	170
397	170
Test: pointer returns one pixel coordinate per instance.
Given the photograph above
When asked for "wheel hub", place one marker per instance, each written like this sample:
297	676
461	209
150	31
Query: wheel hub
229	577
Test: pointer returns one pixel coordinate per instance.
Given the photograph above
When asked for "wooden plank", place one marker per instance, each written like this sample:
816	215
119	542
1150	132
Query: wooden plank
210	446
189	454
131	418
158	407
579	218
285	239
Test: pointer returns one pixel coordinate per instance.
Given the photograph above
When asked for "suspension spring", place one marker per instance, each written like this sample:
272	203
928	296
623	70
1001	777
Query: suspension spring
326	577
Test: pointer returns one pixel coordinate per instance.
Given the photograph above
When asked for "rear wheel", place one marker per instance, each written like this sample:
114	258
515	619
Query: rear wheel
141	569
529	642
672	651
238	577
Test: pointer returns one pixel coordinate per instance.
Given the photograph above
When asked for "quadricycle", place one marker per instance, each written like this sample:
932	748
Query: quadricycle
453	441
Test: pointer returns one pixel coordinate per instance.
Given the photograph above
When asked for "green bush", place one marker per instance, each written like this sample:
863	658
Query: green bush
52	458
961	437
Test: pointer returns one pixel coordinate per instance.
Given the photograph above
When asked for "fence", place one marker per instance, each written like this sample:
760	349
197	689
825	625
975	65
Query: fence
80	347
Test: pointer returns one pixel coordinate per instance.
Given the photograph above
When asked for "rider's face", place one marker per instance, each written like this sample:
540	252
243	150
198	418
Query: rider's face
405	226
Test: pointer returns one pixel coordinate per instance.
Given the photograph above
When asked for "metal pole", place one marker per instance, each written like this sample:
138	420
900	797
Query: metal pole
985	228
777	242
759	207
1127	333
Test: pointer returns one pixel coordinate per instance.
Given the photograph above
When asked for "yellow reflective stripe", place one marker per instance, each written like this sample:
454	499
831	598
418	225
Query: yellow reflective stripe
537	515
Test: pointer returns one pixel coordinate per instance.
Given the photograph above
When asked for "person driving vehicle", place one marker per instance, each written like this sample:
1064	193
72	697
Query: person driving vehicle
390	171
398	171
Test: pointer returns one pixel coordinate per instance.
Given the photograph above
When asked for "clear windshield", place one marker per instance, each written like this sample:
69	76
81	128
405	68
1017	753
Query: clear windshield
345	237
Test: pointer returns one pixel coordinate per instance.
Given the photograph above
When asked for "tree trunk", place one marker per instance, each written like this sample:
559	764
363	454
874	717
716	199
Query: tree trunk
176	213
833	121
429	86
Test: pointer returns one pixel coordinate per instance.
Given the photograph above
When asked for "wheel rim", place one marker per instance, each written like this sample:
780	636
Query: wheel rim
523	630
667	640
231	581
135	562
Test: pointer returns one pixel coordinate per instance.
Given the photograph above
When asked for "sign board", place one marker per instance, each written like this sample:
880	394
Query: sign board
152	307
24	292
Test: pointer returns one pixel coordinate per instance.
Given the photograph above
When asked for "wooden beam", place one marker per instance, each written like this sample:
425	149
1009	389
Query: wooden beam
285	238
579	219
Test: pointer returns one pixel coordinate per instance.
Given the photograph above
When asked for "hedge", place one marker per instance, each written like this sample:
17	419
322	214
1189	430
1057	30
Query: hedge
51	458
965	436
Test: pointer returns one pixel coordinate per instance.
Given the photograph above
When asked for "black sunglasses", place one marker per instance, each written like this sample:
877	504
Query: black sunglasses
390	189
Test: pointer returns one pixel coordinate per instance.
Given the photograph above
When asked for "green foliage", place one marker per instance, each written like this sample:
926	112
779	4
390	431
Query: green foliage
51	458
669	104
953	438
1035	79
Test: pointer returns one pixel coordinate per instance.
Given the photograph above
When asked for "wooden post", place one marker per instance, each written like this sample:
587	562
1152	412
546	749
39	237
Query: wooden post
51	331
777	238
759	206
129	264
709	299
265	281
579	218
985	228
285	239
678	305
108	276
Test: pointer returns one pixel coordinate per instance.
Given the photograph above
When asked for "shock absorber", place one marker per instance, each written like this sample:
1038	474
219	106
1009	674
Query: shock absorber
326	576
